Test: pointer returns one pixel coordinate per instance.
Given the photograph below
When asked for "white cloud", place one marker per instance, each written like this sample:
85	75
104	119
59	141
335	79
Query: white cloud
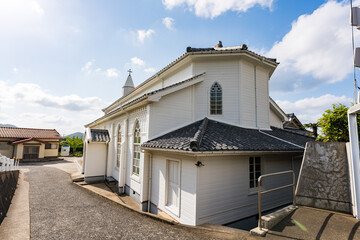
135	61
169	23
318	46
46	118
311	109
214	8
144	34
15	70
32	95
149	70
87	67
35	6
112	72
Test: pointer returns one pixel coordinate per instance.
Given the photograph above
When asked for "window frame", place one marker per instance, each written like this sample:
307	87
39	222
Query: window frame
136	157
216	99
254	173
118	147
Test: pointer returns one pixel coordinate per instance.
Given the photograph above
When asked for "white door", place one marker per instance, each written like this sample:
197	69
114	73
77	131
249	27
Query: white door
173	194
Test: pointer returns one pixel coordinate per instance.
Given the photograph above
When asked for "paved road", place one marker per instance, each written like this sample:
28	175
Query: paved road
61	210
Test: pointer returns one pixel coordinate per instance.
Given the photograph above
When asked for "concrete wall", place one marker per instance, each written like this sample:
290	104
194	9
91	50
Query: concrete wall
8	179
324	177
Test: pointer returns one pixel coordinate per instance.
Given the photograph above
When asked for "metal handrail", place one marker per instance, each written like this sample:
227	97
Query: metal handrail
274	189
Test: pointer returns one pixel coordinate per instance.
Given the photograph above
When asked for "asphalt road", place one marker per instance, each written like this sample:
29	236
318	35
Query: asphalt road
61	210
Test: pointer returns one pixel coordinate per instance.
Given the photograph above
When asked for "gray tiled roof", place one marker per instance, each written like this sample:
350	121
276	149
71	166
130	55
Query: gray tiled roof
209	135
100	135
242	48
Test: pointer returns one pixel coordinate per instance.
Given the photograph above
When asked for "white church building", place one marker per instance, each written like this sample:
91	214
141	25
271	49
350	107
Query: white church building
192	139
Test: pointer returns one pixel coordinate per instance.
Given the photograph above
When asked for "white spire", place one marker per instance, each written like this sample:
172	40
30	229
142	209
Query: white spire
129	84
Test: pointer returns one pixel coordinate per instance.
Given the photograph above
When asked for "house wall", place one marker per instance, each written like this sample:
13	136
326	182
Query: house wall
20	149
51	152
224	195
245	92
136	186
275	120
171	112
180	75
188	179
6	149
95	161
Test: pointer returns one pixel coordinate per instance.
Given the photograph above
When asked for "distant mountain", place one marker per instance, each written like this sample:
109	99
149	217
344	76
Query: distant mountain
77	134
7	125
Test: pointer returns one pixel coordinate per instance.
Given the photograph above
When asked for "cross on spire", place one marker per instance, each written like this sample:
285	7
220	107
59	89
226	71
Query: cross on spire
129	71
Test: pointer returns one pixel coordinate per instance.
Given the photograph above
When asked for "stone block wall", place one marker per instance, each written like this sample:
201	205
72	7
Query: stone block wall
8	182
324	180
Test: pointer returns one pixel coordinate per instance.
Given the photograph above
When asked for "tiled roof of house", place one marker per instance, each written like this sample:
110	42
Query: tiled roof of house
209	135
12	132
243	48
100	135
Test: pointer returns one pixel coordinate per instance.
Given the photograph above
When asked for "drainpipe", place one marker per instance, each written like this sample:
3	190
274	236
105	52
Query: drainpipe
123	170
150	182
106	158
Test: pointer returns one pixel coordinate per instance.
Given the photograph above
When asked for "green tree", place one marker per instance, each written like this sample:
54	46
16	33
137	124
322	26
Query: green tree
334	124
74	143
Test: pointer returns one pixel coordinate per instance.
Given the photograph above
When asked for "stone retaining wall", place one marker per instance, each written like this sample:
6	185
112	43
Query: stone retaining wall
324	180
8	182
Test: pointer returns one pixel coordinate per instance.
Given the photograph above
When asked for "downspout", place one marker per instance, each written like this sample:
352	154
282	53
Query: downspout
106	158
125	154
256	105
150	182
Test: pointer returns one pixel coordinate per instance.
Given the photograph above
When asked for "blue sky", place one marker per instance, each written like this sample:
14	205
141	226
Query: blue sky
62	61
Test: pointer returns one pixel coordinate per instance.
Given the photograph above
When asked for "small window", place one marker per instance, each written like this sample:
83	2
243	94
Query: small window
216	99
51	146
136	151
118	148
254	171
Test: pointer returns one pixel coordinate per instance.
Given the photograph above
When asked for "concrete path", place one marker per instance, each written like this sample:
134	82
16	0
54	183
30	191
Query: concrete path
311	223
62	210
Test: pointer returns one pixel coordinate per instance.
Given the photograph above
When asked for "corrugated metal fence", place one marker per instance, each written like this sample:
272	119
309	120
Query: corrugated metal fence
9	175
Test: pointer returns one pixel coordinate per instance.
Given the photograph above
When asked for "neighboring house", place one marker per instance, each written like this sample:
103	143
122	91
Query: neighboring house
29	143
193	139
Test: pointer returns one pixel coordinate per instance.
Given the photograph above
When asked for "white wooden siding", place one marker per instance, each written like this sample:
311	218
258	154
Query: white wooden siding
275	120
223	193
187	205
95	160
262	97
247	96
226	73
181	75
171	112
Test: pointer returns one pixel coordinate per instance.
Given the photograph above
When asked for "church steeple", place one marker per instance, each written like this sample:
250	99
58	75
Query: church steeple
129	84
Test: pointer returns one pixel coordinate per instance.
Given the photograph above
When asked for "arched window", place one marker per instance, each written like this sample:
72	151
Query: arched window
136	147
118	147
216	99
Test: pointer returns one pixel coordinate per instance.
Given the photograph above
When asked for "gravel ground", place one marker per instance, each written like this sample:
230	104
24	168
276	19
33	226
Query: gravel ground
61	210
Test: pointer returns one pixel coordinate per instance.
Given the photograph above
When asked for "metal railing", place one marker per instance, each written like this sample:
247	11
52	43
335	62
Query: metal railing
8	164
274	189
